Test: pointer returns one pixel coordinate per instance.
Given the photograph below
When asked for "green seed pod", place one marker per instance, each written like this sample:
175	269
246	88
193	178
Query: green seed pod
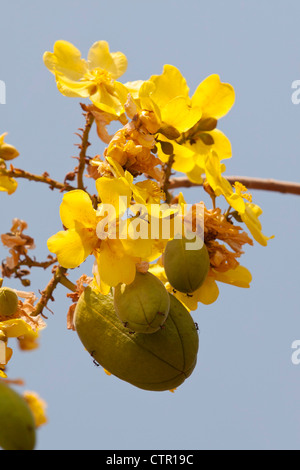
186	270
143	305
160	361
8	302
17	426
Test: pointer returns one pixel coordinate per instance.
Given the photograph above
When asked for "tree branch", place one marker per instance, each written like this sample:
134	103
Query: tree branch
251	183
18	173
83	148
47	294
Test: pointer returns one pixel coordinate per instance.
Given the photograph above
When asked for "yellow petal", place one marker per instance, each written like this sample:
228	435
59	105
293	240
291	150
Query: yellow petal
180	115
15	328
114	265
114	191
184	156
99	56
66	61
250	218
168	85
221	144
107	99
239	277
74	89
77	210
134	88
140	248
214	97
8	185
195	175
145	98
213	171
208	292
72	247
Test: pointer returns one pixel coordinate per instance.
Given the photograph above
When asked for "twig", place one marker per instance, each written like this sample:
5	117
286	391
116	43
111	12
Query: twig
32	263
83	148
47	293
18	173
251	183
68	284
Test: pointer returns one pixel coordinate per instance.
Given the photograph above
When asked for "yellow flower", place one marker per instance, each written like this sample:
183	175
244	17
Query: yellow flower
248	212
116	257
215	99
195	119
75	244
94	78
167	95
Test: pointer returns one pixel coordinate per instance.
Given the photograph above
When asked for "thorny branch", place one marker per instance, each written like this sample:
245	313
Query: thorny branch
83	148
44	178
47	293
19	272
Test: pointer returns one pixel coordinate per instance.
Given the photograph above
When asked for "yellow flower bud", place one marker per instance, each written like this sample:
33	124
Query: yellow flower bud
7	151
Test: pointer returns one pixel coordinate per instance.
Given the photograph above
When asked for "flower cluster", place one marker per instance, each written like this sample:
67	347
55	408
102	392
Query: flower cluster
154	257
163	129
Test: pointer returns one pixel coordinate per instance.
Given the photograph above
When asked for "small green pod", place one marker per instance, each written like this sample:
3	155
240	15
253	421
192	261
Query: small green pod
143	305
17	425
186	269
157	362
8	302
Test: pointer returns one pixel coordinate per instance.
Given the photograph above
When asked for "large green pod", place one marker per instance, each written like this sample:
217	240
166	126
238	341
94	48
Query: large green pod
159	361
186	269
17	426
143	305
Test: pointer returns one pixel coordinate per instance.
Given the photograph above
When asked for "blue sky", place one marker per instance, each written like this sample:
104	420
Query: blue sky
244	392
